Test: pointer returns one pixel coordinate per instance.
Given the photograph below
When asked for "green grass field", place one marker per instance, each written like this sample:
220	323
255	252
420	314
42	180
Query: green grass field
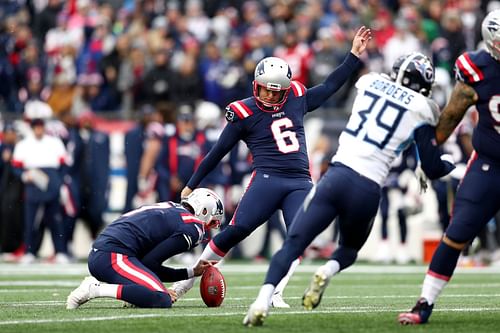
366	298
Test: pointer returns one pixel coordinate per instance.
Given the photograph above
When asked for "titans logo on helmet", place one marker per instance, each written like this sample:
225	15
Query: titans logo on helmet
424	69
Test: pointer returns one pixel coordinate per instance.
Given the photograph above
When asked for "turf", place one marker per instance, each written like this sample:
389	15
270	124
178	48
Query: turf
366	298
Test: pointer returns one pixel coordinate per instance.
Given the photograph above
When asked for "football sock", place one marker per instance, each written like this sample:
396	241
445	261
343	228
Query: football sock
265	294
331	268
104	290
209	254
432	287
284	281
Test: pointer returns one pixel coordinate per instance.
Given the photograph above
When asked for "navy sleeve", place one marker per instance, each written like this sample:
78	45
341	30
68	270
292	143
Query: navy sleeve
167	249
429	153
227	140
318	94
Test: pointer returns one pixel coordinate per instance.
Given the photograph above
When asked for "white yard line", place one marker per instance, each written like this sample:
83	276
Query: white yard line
197	299
81	269
228	314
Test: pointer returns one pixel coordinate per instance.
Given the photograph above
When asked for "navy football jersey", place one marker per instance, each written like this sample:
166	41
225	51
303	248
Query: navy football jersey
137	232
276	140
482	72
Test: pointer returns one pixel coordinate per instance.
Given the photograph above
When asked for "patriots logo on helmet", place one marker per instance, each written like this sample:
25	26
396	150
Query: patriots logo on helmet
492	26
260	69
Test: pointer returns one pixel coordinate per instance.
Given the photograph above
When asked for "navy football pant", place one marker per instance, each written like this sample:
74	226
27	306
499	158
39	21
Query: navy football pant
264	195
476	202
137	284
33	228
341	193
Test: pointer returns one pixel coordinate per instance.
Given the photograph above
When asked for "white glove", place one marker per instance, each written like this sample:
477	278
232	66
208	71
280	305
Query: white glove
447	158
422	179
37	177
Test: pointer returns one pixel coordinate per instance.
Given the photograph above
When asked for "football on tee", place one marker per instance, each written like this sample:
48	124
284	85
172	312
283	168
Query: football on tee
212	287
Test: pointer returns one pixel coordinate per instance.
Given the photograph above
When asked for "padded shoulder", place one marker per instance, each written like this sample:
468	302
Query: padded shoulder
237	110
468	68
298	88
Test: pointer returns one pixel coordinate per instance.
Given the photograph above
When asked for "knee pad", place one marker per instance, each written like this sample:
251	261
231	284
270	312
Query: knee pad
230	237
345	256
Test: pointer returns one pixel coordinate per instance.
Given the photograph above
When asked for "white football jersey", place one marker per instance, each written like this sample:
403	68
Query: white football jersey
384	117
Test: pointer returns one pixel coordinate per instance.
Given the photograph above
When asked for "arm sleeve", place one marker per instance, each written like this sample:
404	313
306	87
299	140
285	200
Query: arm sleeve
429	153
318	94
228	138
167	249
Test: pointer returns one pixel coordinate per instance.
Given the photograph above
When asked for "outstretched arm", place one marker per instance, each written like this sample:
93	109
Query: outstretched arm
462	97
318	94
228	138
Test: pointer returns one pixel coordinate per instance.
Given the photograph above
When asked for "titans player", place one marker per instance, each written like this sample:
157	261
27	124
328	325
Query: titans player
388	115
129	253
478	195
271	123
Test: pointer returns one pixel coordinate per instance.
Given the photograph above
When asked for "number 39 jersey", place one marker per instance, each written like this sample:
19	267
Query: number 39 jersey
482	72
384	117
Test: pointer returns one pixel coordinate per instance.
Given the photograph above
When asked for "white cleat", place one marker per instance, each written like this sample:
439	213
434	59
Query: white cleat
27	258
278	302
255	315
312	295
182	287
82	294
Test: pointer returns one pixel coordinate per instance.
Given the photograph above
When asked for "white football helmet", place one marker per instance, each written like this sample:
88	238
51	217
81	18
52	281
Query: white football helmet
206	205
490	29
208	114
273	74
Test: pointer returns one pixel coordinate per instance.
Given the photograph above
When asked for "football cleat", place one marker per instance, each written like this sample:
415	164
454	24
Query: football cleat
182	287
312	295
419	314
82	294
255	315
277	301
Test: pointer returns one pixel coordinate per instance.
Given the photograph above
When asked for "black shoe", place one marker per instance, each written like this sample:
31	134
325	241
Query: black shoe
418	315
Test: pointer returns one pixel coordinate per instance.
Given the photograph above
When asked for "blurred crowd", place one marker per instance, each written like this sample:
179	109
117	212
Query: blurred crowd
169	68
104	56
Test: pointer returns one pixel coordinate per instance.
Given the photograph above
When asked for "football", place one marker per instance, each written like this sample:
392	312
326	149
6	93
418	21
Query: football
212	287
